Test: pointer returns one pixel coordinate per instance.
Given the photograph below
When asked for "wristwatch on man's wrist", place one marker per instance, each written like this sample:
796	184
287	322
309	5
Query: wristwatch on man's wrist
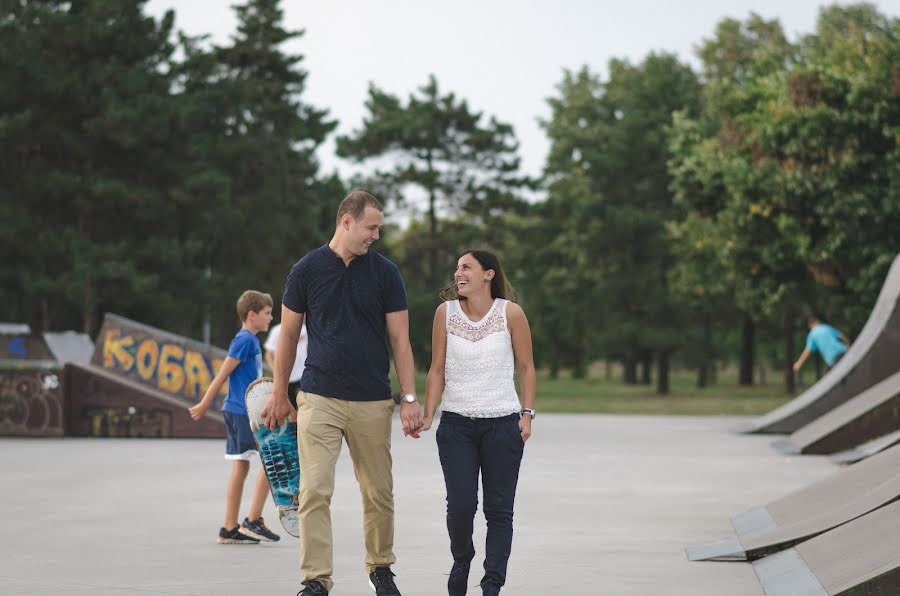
409	398
528	411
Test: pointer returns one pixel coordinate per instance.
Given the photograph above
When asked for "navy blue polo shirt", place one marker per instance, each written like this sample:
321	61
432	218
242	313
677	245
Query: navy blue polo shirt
345	308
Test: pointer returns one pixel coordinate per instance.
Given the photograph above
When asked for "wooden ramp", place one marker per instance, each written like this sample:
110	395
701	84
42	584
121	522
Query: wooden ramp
867	449
871	358
858	558
873	413
840	498
140	382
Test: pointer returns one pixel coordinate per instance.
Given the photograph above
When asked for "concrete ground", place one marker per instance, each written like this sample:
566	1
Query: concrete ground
606	505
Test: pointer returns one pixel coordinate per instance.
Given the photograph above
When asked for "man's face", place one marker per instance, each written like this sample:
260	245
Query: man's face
365	231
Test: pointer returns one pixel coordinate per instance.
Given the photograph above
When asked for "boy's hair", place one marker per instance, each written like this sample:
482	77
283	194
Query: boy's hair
355	204
252	300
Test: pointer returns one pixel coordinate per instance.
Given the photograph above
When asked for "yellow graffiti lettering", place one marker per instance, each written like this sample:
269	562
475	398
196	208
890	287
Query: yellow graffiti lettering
147	357
198	374
115	351
170	374
217	364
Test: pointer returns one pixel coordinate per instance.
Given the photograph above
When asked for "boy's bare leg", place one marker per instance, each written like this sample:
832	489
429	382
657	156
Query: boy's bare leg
239	469
260	492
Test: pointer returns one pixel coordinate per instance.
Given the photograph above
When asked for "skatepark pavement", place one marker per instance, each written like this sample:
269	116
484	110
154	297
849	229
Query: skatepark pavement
606	506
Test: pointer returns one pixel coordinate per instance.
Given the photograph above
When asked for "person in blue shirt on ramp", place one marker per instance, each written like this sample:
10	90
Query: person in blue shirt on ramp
824	340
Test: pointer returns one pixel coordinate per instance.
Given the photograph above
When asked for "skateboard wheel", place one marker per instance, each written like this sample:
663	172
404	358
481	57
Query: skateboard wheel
254	425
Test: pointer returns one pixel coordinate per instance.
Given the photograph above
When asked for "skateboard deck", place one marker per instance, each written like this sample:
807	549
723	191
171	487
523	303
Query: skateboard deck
278	451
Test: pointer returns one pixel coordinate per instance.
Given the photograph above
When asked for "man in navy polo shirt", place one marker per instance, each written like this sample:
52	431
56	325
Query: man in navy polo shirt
353	302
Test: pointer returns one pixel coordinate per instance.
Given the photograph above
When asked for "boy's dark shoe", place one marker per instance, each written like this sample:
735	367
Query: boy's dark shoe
382	581
457	583
257	529
235	537
313	588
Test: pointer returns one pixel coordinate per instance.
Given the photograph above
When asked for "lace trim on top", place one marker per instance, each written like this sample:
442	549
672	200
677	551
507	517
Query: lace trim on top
460	326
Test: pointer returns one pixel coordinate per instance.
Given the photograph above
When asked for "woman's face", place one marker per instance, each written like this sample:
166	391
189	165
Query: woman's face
470	276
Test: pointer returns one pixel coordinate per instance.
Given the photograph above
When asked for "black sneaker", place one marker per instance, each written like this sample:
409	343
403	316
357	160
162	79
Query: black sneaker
382	581
235	537
313	588
457	583
258	530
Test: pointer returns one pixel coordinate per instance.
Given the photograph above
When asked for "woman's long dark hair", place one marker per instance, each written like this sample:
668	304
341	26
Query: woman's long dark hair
500	287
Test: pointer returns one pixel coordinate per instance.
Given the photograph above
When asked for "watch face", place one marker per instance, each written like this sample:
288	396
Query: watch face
409	398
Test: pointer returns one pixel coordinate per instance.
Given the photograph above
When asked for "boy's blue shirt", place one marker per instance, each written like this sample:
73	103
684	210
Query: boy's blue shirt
244	347
825	340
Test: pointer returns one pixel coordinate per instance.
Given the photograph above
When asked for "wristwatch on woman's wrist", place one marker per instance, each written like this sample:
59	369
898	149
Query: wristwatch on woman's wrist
409	398
528	411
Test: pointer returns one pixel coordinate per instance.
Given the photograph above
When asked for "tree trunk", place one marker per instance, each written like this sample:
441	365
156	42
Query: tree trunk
706	354
580	369
748	349
788	329
662	373
647	368
630	369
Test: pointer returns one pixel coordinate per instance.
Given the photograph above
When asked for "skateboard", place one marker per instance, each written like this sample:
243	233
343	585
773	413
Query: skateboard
278	451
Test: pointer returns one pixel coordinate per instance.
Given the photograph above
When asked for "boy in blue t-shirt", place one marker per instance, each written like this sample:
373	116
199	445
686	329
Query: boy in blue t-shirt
824	340
242	366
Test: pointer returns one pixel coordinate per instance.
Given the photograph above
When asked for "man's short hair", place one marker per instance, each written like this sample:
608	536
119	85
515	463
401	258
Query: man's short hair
355	204
251	300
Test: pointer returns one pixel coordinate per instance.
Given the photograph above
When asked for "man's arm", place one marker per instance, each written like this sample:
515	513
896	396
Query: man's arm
278	408
398	332
802	359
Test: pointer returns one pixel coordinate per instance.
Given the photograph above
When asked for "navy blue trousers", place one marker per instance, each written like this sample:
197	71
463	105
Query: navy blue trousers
493	447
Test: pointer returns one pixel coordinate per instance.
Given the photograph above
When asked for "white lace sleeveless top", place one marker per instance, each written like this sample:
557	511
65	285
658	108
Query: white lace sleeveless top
479	367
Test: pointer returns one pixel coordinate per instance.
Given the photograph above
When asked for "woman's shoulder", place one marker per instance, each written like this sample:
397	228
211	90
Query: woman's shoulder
513	310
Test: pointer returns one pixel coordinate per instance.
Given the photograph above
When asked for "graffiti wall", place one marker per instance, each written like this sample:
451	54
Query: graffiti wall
31	402
100	403
164	361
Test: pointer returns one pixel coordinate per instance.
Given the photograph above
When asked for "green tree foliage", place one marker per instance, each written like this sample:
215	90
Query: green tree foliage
87	131
437	147
608	193
254	161
795	161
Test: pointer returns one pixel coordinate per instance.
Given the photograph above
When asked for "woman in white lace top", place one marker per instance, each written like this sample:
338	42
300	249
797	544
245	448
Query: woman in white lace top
479	341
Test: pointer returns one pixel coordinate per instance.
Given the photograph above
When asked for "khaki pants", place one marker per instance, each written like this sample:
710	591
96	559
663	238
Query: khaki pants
322	424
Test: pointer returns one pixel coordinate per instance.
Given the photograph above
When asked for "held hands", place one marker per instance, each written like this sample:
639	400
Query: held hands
277	411
411	418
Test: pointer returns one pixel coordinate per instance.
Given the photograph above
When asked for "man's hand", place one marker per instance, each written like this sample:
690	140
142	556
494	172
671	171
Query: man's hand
277	411
411	419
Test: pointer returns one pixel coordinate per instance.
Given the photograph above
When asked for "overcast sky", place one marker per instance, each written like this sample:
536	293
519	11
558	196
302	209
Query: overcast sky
504	57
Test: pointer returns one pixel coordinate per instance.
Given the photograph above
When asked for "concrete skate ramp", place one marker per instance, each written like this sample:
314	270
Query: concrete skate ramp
812	510
858	558
873	413
872	357
101	403
867	449
140	382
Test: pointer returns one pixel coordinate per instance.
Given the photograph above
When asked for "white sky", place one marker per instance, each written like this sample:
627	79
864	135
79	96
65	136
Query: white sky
504	57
